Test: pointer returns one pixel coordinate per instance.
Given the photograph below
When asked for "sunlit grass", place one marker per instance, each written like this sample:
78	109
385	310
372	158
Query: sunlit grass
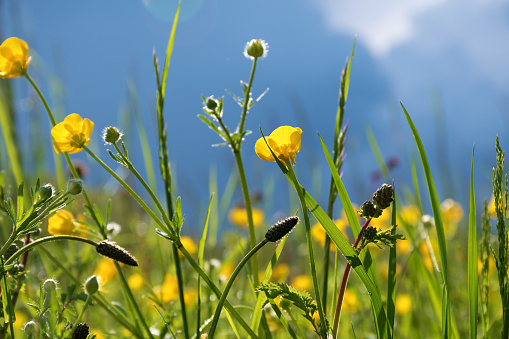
416	274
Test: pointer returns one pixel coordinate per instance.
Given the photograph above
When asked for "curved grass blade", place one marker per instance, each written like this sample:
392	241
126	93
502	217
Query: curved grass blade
391	279
345	247
472	258
435	205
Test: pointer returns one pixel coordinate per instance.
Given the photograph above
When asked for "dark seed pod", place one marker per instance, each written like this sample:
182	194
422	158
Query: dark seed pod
10	251
115	252
370	233
81	331
368	210
281	228
383	197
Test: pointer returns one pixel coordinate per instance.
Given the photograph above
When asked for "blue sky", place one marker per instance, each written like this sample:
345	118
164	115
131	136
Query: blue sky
445	56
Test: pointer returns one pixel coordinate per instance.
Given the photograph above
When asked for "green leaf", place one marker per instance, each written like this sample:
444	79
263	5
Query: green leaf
391	278
435	205
345	247
169	50
19	203
472	258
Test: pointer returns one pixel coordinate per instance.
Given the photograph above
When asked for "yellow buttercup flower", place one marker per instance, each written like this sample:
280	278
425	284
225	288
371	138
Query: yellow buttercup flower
61	223
403	303
238	217
135	282
350	301
410	215
318	232
71	134
302	282
168	291
188	244
14	58
284	142
280	272
106	270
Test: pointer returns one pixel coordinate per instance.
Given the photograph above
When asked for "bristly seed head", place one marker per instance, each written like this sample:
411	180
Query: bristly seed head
383	197
81	331
370	233
281	228
115	252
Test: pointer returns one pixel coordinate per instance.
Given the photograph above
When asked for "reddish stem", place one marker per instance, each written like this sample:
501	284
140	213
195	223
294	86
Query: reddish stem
344	280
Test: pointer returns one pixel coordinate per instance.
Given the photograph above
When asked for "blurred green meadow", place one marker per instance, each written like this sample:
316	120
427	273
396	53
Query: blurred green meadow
419	272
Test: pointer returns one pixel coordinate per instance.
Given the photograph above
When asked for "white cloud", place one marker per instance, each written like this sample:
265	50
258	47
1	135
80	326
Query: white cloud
380	25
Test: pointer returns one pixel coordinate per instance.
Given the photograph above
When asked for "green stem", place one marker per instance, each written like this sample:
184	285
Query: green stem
130	166
44	240
246	100
214	289
294	320
300	193
42	98
249	212
229	284
98	298
87	302
128	189
180	280
130	296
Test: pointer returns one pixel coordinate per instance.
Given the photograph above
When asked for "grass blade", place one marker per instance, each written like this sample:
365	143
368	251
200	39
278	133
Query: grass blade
345	247
472	258
391	278
435	205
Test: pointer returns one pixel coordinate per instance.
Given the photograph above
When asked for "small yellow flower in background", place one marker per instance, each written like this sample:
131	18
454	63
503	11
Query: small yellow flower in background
403	303
452	211
410	215
383	221
14	58
302	282
350	301
98	334
71	134
189	245
238	217
168	291
106	270
21	319
284	141
226	271
280	272
318	232
491	207
403	246
135	282
383	271
61	223
190	296
491	266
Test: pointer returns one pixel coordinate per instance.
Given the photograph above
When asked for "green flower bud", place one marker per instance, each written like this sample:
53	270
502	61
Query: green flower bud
111	135
74	186
49	285
31	328
211	103
256	48
46	191
91	285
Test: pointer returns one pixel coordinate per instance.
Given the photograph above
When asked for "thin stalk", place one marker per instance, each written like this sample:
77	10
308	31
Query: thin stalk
98	298
214	289
294	320
304	208
127	188
80	316
249	212
247	95
131	299
180	280
344	282
44	240
229	284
